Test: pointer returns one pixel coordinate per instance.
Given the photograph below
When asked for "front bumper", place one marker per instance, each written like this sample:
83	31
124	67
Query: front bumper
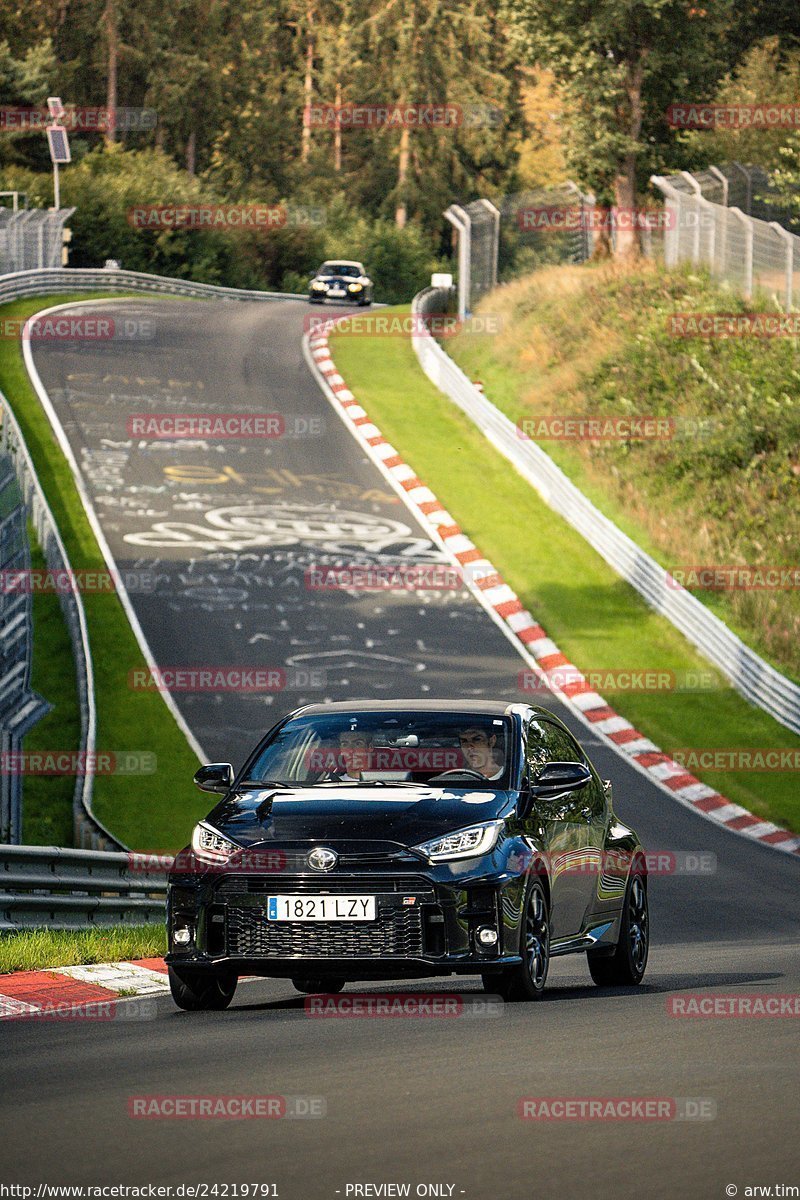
427	923
348	298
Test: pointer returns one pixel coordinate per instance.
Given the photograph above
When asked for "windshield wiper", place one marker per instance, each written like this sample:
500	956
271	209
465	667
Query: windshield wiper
263	783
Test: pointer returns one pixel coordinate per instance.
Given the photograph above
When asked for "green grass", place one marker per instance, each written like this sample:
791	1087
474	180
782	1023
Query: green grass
597	620
148	812
38	949
594	341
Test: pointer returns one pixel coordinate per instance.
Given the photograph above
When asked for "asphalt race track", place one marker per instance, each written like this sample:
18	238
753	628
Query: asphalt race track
229	529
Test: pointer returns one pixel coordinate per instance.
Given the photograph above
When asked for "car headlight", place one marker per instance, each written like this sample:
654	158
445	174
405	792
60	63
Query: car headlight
354	287
464	843
319	287
210	846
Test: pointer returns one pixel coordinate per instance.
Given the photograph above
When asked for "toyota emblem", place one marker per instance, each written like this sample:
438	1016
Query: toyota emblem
322	859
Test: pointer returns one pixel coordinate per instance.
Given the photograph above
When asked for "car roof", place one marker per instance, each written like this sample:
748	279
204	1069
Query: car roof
342	262
492	708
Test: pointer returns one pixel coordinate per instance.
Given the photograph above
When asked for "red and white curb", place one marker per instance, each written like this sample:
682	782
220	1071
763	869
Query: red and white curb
527	635
91	992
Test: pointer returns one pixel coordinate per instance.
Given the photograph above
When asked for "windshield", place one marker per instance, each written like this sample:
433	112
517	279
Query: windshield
462	750
344	269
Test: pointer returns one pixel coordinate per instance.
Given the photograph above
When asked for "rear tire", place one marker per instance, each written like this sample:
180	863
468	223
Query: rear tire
313	986
627	965
201	991
526	982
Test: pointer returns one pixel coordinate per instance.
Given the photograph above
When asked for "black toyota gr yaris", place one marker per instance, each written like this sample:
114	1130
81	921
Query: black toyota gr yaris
404	839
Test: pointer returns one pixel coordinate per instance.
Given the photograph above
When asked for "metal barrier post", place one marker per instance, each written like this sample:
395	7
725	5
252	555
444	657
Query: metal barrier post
495	214
748	249
461	222
787	238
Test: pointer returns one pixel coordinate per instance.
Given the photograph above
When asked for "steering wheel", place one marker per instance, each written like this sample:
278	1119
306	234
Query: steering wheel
459	771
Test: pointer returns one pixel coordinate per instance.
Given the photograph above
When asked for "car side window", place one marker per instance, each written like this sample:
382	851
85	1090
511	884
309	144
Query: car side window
562	747
537	750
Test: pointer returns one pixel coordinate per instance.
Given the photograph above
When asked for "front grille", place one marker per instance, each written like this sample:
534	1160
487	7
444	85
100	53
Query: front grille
270	885
396	933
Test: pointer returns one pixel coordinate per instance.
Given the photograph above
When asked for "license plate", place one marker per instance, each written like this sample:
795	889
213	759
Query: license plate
321	908
336	291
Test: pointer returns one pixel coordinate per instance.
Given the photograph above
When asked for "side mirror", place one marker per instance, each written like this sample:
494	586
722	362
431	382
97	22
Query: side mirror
555	778
214	777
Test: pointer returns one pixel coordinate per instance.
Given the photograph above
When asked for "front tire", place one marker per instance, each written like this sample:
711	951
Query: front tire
627	965
526	982
201	991
312	986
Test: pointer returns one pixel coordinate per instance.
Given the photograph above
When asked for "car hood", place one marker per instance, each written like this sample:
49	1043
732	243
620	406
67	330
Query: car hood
376	815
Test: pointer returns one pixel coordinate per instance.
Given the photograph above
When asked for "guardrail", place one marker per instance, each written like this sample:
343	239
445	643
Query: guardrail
75	889
70	279
89	831
752	677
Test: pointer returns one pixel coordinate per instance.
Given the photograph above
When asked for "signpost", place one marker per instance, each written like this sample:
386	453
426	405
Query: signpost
59	144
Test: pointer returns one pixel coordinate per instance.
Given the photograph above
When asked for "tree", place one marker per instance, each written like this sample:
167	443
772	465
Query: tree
24	82
445	53
621	63
766	74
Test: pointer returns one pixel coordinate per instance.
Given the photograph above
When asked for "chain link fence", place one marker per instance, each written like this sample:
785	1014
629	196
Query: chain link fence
728	218
31	238
710	221
517	233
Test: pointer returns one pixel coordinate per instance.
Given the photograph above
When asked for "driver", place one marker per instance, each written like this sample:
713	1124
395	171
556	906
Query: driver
357	747
478	748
